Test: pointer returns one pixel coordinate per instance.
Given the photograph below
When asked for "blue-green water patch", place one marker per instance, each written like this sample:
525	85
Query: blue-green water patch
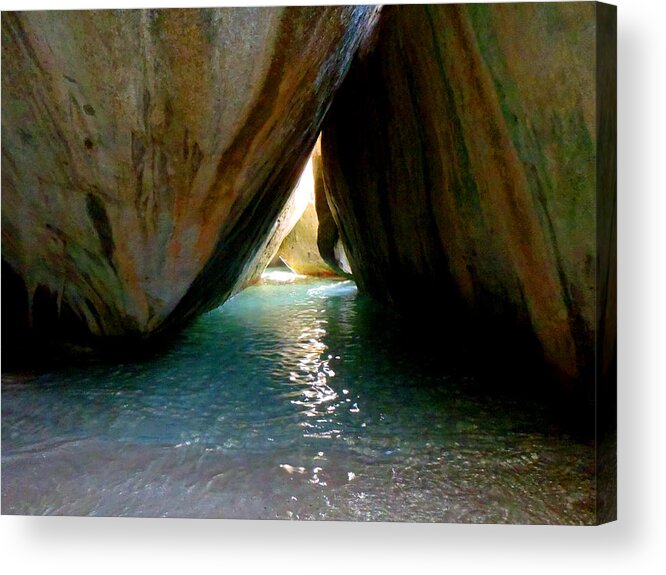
293	400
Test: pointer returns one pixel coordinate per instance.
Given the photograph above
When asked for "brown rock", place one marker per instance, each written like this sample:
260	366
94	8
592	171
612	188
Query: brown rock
460	162
329	242
299	250
146	154
270	254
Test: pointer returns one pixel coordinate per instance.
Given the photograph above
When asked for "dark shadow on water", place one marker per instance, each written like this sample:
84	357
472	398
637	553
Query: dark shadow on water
419	348
490	371
308	374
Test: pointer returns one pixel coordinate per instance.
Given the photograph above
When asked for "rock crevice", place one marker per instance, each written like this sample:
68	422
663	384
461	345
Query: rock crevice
147	154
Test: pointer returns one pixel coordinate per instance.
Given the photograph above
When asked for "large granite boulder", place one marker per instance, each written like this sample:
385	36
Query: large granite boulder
147	154
313	247
460	159
299	249
329	241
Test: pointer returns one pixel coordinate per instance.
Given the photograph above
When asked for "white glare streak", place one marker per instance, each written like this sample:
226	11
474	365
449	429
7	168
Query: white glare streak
280	276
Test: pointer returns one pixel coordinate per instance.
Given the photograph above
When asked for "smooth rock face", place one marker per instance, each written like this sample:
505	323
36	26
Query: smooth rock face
459	159
329	243
288	218
147	154
299	250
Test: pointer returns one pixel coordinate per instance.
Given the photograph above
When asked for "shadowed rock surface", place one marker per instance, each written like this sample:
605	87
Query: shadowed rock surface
289	217
147	154
459	160
329	242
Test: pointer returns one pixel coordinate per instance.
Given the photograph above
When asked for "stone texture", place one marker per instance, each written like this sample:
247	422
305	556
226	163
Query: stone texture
147	154
459	159
299	250
329	241
606	265
269	254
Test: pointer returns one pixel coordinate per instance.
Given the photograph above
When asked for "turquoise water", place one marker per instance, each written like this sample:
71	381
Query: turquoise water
294	400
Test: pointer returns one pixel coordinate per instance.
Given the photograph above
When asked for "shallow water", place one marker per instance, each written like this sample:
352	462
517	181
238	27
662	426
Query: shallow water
294	400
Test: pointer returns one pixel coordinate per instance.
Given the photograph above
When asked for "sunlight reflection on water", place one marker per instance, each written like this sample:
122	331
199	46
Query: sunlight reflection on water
297	400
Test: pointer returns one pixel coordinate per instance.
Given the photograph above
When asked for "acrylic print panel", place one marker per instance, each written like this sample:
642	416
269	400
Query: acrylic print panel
331	263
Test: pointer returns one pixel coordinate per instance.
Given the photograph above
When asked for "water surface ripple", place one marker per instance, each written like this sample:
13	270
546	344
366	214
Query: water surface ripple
300	400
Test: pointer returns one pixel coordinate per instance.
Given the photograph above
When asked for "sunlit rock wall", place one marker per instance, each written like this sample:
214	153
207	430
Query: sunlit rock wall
147	154
460	159
290	215
299	250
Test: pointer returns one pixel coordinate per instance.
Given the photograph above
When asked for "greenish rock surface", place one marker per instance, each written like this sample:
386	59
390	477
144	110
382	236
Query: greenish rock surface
460	161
